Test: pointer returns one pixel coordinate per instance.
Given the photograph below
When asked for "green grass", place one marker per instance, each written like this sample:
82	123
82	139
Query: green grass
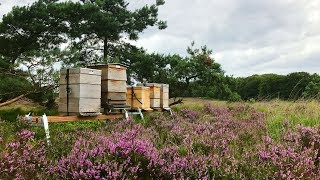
306	113
10	113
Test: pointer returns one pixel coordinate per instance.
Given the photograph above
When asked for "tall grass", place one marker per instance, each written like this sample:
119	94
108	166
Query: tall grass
302	112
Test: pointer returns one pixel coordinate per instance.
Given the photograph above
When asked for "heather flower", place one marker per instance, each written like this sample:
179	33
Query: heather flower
190	114
214	143
120	155
22	159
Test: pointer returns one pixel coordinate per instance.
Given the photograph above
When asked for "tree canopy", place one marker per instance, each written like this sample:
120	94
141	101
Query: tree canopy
34	38
79	33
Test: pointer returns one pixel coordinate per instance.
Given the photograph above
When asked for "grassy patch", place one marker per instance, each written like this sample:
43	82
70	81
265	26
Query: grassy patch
306	113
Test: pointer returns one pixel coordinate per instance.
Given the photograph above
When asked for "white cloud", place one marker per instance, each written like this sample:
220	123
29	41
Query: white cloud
247	36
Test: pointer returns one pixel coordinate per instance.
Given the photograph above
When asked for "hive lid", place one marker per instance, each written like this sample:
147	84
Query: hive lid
150	84
110	65
138	87
81	71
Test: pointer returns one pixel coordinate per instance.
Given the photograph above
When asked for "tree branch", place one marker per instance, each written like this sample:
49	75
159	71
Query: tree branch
24	95
179	101
13	100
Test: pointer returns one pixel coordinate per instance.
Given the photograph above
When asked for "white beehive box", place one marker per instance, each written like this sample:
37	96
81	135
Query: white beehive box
164	96
85	91
113	84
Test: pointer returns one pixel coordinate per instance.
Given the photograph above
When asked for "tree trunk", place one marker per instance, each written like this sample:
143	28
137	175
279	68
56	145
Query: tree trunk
105	50
13	100
188	87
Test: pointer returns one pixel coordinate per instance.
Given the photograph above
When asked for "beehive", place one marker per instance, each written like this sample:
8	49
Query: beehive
113	84
84	91
164	96
138	97
163	101
155	91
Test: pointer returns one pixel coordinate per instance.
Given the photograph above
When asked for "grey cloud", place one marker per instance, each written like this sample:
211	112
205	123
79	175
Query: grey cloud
247	36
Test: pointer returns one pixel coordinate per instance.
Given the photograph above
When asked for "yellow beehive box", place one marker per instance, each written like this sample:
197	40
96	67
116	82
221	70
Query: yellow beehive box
138	97
155	92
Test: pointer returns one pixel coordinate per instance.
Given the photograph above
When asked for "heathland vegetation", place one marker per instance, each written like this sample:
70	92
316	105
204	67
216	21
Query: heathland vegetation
203	139
258	127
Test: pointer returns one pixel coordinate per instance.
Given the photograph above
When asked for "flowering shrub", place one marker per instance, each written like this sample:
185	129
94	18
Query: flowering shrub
286	161
22	159
215	143
190	114
120	155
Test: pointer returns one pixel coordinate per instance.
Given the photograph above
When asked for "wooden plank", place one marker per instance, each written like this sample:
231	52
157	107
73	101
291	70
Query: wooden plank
139	92
81	71
154	103
80	79
112	72
155	92
78	118
76	105
136	104
116	74
117	102
164	95
165	88
164	103
80	91
113	86
114	96
164	98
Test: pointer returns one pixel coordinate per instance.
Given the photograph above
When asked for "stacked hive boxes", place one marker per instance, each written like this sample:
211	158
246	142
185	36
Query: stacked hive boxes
113	84
159	95
155	94
138	97
164	96
83	96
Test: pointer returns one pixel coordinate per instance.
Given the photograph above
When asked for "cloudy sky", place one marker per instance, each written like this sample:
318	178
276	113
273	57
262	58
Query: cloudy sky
247	36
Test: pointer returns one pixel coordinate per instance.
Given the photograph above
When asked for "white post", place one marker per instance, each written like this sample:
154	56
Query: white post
44	119
141	115
28	117
126	114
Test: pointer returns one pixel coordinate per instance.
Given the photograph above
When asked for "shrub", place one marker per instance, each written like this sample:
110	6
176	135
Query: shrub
23	159
121	155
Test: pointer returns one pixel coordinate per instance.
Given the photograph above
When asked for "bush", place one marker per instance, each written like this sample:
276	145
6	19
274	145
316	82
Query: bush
13	86
211	143
22	159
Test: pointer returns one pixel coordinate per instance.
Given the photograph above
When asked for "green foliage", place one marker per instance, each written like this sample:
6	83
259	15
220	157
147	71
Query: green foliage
12	86
31	37
312	90
270	86
196	75
10	115
104	22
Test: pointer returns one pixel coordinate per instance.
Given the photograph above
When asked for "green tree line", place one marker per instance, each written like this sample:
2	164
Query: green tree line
96	31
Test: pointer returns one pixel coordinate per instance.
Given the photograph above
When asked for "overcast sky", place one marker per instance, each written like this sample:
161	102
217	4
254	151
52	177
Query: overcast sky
247	36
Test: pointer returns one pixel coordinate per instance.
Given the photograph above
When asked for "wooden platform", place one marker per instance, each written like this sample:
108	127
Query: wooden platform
78	118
